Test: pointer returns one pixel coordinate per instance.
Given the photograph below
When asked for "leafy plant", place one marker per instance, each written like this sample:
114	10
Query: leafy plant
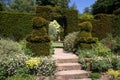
114	73
100	64
25	49
94	76
101	49
47	67
116	63
69	42
12	57
33	62
21	77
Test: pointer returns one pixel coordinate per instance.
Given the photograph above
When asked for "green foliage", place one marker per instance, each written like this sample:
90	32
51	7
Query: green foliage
105	6
39	40
22	6
116	63
52	32
15	25
25	49
86	26
101	26
110	42
84	37
69	42
39	49
68	21
39	22
12	57
94	76
48	12
20	77
117	12
115	25
47	67
1	7
86	16
100	64
101	49
62	4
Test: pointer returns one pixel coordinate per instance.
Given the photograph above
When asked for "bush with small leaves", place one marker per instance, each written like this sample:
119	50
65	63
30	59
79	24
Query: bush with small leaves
12	57
69	42
47	67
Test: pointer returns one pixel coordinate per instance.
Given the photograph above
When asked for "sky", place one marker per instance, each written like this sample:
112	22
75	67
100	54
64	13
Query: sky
81	4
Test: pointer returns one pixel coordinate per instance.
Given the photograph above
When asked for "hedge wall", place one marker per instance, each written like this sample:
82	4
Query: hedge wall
102	25
116	25
67	18
15	25
71	21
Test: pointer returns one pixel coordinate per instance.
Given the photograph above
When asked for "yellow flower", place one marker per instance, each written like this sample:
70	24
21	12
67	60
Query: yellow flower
113	72
33	62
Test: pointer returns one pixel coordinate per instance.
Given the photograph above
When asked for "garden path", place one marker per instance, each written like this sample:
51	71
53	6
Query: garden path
68	67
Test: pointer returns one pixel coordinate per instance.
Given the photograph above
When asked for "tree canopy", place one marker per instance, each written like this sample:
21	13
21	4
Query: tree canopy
60	3
22	6
105	6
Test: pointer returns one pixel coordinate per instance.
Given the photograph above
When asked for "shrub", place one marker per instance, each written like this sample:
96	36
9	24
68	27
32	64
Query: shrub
102	25
86	16
20	77
15	25
12	57
84	37
116	25
39	41
116	63
33	62
117	12
94	76
69	42
47	67
100	64
68	21
44	67
25	49
101	49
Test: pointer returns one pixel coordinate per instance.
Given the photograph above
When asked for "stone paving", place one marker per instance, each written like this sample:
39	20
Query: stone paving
68	67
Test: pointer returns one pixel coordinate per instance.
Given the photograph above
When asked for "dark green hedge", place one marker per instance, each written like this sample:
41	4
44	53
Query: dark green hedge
39	40
102	25
15	25
67	18
116	25
71	24
40	49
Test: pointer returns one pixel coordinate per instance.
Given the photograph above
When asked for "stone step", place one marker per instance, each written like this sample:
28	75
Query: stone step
68	66
65	58
83	79
71	74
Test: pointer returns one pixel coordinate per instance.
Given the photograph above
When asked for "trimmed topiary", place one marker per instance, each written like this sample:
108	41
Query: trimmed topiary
39	22
84	38
39	40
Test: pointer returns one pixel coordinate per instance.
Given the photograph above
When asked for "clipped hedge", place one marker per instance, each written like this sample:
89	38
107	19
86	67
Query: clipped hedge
40	49
39	41
71	21
15	25
102	25
67	18
116	25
